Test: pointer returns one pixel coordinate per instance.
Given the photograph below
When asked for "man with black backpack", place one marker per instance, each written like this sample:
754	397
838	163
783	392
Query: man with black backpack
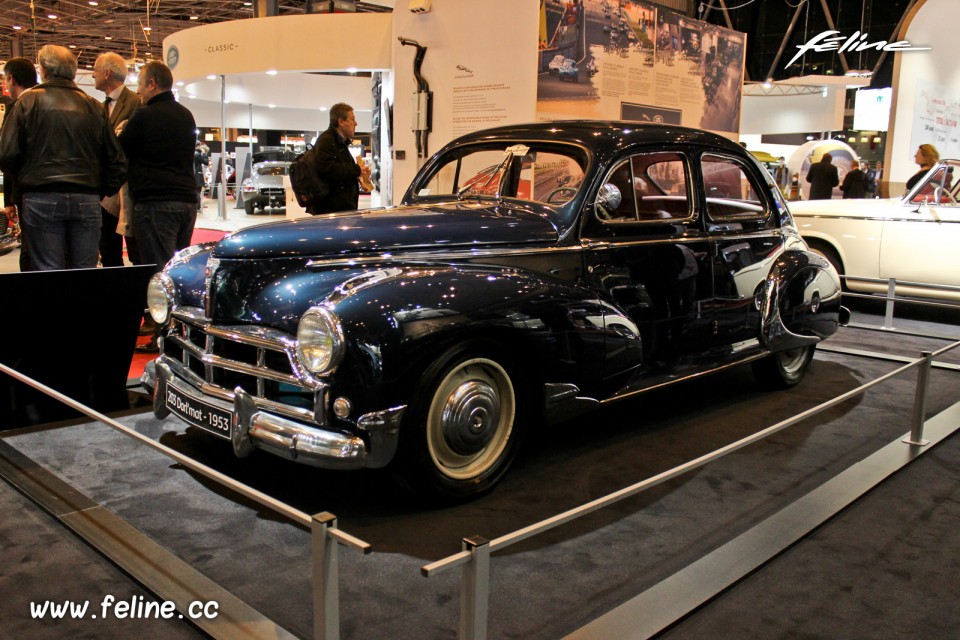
331	161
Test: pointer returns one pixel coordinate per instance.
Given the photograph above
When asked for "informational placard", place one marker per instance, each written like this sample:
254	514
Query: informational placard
936	118
626	59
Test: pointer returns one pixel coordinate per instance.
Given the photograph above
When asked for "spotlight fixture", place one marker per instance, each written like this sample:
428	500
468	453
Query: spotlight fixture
92	3
17	27
108	37
194	17
148	28
52	16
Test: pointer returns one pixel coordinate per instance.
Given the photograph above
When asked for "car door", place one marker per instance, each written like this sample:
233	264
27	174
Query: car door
648	255
745	241
920	241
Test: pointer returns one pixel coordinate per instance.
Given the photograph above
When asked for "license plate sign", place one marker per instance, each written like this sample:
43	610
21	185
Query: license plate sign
200	414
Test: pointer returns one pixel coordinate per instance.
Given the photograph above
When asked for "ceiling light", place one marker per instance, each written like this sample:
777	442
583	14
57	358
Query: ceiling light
271	72
52	16
323	108
351	69
17	27
92	3
194	17
180	83
108	37
148	28
211	77
72	46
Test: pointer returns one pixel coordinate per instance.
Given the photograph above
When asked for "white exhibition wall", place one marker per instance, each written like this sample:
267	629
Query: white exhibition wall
774	113
926	91
480	63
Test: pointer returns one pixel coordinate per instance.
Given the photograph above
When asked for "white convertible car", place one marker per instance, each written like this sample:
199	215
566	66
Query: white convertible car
914	239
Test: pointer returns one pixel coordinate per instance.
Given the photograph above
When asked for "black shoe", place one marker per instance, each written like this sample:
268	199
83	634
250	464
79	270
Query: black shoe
149	347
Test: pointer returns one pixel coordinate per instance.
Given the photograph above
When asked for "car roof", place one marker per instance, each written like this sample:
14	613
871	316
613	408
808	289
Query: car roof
604	135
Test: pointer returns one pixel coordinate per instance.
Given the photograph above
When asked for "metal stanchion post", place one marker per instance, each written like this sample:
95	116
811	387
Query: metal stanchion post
920	403
475	590
891	294
326	588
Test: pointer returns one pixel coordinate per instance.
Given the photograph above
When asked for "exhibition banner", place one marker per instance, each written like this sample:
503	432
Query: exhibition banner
936	117
630	60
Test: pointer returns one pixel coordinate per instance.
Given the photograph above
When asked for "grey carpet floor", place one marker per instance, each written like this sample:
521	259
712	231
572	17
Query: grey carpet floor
555	583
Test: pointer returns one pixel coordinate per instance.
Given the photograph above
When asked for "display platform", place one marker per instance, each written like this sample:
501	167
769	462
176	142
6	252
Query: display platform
552	585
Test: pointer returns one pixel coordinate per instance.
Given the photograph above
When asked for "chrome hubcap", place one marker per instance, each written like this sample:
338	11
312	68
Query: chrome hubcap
470	417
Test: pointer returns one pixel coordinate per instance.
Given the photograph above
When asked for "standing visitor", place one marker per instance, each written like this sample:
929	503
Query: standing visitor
823	177
59	144
159	142
109	75
19	74
335	164
926	156
855	183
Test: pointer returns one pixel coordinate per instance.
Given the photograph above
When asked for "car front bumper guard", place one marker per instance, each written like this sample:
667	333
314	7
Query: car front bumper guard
253	428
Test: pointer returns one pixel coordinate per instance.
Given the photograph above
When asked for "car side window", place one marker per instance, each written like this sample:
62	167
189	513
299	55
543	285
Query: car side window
653	187
732	192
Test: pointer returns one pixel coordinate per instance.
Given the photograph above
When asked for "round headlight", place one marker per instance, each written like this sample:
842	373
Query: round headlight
319	340
160	293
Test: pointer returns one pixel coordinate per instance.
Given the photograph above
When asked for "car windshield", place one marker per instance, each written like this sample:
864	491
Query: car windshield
940	186
527	171
272	170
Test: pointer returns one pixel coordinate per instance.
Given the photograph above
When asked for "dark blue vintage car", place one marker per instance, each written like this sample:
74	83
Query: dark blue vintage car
530	273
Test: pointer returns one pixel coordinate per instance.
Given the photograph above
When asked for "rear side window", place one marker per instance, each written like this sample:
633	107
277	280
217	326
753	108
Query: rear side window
732	192
653	187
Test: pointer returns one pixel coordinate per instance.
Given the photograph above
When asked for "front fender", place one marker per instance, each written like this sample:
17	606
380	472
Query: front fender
397	320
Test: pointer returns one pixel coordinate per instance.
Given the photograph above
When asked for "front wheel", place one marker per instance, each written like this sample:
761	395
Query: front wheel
465	432
783	369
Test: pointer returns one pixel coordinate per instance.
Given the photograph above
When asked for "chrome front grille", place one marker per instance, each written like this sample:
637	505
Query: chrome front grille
216	360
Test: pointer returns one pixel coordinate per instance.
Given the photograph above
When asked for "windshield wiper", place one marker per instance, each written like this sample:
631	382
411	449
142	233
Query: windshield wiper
496	172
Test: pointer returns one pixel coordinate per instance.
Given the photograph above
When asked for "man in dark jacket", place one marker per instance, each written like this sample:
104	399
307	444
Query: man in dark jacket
159	143
335	163
823	177
20	74
855	183
59	143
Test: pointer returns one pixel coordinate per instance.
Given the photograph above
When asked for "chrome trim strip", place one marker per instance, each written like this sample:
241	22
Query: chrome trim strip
606	244
667	383
415	256
828	216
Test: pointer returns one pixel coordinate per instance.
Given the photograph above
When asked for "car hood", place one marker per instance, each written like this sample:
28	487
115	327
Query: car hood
456	224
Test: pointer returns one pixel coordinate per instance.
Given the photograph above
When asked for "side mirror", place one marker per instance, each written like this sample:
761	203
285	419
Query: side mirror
608	199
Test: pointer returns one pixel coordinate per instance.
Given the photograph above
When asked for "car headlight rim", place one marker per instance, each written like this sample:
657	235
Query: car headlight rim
320	340
160	297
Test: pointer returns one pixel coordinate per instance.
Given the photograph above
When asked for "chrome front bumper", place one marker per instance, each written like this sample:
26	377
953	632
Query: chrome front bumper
253	427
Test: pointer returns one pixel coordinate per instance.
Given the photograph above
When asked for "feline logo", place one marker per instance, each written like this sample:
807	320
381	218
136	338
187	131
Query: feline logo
830	41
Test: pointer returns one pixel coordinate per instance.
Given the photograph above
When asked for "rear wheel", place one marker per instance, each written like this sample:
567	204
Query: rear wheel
783	369
248	207
464	431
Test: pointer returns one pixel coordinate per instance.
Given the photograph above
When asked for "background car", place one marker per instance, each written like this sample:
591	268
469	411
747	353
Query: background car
912	239
568	70
554	65
531	273
264	189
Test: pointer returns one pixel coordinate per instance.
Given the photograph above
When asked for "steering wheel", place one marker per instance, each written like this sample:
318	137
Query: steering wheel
572	191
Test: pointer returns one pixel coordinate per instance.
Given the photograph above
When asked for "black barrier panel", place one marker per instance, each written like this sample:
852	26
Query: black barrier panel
72	330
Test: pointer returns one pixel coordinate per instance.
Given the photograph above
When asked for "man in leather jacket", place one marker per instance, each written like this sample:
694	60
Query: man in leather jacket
58	141
335	163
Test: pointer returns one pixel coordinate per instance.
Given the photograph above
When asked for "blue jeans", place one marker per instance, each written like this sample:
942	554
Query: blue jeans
161	228
62	230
